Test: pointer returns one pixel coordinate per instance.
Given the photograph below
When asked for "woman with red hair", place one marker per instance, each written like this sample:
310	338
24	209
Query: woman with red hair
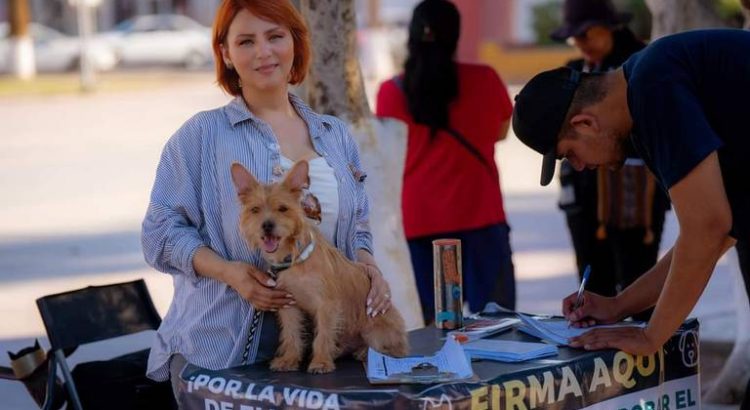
191	229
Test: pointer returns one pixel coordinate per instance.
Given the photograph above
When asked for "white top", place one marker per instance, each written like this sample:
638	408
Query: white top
324	186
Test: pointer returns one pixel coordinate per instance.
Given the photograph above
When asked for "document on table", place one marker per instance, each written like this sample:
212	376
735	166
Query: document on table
508	350
448	364
558	331
483	327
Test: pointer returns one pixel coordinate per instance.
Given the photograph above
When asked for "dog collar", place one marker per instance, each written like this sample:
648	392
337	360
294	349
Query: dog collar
275	268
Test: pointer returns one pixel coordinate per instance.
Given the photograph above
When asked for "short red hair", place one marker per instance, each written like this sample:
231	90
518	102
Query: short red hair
280	12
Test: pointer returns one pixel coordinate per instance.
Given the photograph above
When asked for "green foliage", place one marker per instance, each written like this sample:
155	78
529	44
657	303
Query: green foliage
546	18
730	11
641	22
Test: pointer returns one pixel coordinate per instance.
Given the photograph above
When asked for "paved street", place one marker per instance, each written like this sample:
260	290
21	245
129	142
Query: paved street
75	175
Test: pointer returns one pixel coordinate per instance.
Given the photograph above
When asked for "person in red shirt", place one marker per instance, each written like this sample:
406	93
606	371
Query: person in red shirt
455	114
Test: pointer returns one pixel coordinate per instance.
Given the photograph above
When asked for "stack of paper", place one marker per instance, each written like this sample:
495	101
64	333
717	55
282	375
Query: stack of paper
558	331
483	327
508	350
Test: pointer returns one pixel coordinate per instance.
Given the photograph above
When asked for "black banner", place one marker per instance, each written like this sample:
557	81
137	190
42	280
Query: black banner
575	379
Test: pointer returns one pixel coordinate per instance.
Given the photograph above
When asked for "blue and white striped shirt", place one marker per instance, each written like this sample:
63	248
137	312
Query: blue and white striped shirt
194	203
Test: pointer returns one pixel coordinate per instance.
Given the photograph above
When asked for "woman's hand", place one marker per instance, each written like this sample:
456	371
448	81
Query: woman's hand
594	309
255	286
379	298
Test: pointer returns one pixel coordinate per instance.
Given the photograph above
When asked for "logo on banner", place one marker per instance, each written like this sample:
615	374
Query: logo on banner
689	348
444	402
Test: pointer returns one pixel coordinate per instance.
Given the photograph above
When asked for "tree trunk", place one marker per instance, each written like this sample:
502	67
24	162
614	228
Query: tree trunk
672	16
335	87
21	45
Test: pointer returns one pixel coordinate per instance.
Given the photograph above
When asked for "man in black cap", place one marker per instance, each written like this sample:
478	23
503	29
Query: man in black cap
615	217
682	103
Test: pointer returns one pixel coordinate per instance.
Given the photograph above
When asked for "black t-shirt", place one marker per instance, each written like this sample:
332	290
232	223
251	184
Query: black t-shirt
689	95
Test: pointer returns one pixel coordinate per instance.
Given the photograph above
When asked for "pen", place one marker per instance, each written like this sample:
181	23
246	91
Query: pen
579	297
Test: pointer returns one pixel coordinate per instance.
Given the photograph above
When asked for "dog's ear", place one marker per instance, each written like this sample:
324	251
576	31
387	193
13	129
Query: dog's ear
243	180
297	178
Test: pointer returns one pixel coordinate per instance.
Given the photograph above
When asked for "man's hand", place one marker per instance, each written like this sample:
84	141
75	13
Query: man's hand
379	298
255	286
594	309
633	340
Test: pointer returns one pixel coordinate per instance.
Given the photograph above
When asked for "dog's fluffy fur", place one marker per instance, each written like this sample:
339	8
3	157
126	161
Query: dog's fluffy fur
327	287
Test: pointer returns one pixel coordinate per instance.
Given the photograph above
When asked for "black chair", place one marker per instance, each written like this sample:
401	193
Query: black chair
93	314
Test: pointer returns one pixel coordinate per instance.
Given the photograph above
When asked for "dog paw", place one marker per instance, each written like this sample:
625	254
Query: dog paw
321	367
282	364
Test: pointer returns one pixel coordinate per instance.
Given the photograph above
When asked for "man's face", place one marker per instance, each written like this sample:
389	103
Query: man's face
592	150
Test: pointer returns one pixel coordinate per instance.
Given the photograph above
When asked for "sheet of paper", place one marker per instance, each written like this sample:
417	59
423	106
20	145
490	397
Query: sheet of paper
484	327
449	363
508	350
558	331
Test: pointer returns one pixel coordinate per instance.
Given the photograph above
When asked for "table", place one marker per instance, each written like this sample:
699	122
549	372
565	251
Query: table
575	379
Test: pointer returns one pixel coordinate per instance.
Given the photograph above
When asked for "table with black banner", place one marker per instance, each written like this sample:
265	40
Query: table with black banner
574	379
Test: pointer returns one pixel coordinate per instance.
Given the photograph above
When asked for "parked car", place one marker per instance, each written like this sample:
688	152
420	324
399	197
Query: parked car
161	39
55	51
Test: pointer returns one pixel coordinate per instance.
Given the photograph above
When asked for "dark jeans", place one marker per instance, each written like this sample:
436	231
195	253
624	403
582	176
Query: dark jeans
486	264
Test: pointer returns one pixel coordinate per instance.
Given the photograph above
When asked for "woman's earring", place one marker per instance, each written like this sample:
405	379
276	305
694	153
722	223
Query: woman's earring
229	65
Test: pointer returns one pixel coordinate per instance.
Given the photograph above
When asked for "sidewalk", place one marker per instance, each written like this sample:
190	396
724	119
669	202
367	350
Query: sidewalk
77	171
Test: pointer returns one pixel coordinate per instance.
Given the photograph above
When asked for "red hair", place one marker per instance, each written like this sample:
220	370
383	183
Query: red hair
280	12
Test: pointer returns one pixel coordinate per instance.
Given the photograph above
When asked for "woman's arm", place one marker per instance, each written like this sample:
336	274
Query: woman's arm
169	234
379	298
253	285
170	237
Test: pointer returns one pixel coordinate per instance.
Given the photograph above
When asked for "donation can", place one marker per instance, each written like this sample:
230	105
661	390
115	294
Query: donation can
448	283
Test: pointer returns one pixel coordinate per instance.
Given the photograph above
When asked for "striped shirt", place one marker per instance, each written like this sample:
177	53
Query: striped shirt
194	203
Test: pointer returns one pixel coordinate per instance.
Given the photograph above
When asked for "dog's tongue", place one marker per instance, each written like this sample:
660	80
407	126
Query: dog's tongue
270	244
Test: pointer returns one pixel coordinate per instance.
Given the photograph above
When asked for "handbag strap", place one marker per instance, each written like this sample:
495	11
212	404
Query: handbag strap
251	334
457	136
472	149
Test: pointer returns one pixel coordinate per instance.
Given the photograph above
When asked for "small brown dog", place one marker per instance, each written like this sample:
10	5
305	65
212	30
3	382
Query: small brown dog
328	288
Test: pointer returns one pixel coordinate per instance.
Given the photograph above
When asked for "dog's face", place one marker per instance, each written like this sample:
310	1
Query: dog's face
271	216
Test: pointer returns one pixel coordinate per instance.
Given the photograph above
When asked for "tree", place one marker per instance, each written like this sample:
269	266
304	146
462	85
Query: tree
21	46
335	86
672	16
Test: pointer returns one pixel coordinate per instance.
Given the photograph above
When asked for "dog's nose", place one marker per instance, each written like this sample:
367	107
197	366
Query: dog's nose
267	226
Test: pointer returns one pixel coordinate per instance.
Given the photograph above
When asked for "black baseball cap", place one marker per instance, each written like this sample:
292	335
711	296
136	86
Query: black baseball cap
539	112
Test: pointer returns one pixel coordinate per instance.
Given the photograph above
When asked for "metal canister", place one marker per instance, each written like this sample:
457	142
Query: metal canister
448	283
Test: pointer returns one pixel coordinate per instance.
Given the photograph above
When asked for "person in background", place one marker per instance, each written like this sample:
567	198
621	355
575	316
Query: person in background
615	217
217	318
681	103
455	114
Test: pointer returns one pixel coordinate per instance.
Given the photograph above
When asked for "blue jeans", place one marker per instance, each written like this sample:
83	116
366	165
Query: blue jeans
487	268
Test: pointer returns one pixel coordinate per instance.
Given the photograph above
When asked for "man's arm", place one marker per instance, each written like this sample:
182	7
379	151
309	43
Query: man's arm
705	219
644	292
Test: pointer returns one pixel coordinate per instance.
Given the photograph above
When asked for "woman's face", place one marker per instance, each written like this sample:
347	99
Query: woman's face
261	51
595	44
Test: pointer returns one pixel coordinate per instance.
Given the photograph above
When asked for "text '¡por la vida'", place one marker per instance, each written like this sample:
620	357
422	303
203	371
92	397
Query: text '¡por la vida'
235	389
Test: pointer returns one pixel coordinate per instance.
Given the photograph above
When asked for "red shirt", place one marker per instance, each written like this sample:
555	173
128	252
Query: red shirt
446	188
